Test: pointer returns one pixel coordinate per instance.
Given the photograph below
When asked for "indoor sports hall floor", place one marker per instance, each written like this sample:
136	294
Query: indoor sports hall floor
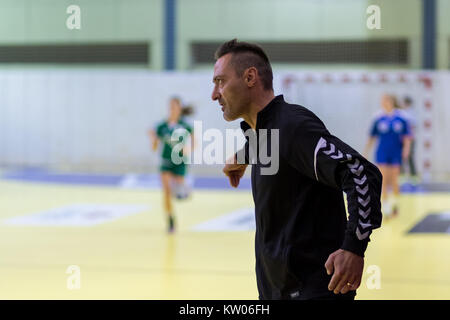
113	232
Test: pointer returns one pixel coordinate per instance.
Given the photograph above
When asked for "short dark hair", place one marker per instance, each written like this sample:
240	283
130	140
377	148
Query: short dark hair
246	55
187	110
408	100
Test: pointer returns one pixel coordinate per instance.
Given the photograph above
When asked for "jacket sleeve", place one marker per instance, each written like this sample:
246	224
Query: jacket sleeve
326	159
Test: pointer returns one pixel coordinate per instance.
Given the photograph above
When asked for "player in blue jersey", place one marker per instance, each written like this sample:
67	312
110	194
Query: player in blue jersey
394	140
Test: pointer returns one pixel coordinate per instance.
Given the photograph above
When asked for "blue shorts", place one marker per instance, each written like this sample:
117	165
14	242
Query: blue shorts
389	158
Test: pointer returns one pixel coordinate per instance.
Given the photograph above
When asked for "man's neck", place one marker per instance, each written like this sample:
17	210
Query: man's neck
259	103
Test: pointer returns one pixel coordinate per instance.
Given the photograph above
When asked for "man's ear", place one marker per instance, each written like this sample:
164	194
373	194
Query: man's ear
250	76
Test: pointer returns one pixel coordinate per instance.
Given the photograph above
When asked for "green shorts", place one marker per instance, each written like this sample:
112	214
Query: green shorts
176	169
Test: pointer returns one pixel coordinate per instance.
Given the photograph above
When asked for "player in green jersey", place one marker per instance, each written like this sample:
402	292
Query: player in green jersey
172	173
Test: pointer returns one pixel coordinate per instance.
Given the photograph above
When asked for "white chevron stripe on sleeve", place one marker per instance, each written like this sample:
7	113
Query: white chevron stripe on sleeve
362	236
338	156
357	171
360	181
320	144
364	225
362	191
363	213
363	202
355	165
332	150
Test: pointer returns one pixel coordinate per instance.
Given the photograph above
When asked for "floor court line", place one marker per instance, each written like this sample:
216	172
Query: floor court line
133	258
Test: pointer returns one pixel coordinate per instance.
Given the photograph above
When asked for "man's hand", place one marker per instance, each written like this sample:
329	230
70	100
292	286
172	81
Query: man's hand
347	269
234	171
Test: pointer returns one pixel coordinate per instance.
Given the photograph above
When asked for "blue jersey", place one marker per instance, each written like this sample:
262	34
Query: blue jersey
390	129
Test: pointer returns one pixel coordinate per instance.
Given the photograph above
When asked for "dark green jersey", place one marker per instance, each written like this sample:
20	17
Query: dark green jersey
164	132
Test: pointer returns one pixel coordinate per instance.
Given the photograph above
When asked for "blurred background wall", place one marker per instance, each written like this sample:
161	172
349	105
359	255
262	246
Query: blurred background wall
197	22
84	99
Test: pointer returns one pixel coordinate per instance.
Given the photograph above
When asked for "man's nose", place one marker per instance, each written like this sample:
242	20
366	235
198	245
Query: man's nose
215	94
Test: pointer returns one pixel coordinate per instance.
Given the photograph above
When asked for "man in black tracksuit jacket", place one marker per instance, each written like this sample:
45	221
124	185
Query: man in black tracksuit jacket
305	247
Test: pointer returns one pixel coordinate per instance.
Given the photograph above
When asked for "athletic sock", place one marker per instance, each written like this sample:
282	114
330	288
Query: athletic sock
386	207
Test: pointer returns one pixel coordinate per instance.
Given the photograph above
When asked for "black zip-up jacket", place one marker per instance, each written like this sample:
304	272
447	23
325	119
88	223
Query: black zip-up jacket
300	211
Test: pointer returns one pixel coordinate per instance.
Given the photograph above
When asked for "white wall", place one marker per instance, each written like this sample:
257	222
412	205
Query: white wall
93	119
98	120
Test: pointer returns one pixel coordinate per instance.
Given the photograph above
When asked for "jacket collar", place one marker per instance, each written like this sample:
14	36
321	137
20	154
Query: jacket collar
264	114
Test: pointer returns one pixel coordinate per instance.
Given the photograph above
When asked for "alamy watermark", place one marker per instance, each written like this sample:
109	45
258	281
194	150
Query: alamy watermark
373	282
374	20
74	280
74	20
262	147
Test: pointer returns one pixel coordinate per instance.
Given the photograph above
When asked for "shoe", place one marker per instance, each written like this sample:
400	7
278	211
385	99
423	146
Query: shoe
182	192
171	225
182	196
394	211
